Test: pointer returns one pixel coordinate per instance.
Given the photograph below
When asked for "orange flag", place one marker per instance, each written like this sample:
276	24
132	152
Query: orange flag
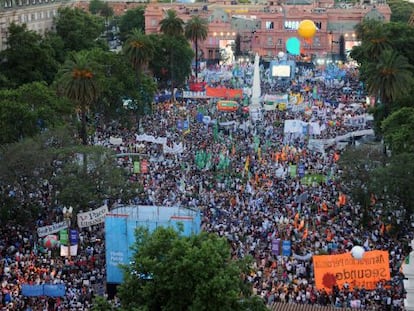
301	225
296	220
305	233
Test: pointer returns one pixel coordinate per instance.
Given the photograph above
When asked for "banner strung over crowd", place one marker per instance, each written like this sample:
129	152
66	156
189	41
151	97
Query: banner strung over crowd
339	269
175	149
222	92
54	228
97	216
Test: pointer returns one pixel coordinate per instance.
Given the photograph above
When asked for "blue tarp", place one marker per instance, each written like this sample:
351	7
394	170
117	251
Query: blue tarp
50	290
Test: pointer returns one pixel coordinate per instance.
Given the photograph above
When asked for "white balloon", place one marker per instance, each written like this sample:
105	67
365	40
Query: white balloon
281	54
357	252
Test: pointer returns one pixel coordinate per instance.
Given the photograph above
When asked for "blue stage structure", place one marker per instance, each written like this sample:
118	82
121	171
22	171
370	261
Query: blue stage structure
120	225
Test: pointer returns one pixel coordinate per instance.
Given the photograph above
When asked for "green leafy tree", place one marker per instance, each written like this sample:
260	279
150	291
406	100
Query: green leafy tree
78	29
171	61
401	37
102	178
172	272
29	109
171	24
357	166
398	131
117	81
27	58
96	6
24	167
374	38
394	180
78	81
400	10
139	49
132	19
196	29
101	304
389	78
17	121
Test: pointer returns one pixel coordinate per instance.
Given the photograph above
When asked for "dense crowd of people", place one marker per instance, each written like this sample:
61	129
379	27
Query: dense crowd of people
239	174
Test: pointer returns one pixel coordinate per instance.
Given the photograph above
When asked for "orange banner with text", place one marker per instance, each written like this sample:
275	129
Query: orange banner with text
222	92
339	269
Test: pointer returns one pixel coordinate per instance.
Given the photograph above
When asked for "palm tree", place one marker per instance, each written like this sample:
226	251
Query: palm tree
390	77
172	25
139	49
79	84
196	29
375	38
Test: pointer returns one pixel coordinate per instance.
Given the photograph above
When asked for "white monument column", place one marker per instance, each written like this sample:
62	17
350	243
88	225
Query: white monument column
255	106
408	271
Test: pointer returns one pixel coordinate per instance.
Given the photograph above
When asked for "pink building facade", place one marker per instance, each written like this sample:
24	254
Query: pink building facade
265	28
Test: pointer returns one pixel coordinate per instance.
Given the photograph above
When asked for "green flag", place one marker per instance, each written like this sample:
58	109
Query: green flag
292	170
63	237
137	167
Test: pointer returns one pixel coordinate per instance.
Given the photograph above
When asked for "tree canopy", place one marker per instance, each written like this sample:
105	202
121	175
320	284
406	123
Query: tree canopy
173	272
27	58
78	29
132	19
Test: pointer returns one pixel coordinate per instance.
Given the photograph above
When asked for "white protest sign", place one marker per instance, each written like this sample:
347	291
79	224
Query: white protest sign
56	227
91	218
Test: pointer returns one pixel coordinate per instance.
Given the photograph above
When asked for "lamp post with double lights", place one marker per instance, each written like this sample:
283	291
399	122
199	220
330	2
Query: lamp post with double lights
67	215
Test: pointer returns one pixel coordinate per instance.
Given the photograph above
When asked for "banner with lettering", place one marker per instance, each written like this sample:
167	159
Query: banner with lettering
47	230
97	216
339	269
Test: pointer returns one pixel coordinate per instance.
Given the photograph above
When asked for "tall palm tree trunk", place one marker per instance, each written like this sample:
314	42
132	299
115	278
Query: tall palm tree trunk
83	133
196	60
172	76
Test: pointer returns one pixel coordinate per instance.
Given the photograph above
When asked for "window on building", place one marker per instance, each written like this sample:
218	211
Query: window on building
279	42
269	53
270	25
318	25
291	25
154	22
316	41
269	41
210	54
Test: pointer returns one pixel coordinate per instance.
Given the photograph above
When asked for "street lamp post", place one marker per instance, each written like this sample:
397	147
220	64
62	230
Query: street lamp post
67	215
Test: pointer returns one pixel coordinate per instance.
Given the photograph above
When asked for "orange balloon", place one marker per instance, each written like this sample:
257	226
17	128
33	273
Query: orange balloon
307	29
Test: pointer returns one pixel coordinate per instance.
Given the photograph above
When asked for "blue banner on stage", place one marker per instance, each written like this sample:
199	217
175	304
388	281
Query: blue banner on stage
286	248
50	290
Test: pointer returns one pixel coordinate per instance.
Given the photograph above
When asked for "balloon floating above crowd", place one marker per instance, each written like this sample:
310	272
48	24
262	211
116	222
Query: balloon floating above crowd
357	252
307	29
293	45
